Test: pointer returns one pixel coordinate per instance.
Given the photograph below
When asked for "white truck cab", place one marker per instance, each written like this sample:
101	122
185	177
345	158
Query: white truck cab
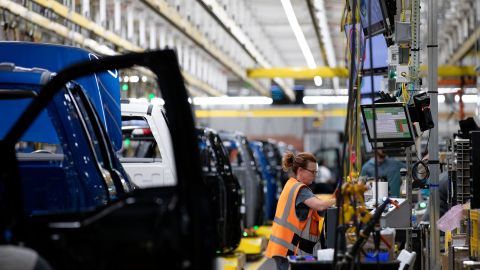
147	153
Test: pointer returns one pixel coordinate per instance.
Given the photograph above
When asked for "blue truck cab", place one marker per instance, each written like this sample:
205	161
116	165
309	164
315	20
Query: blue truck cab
66	160
245	169
269	179
103	89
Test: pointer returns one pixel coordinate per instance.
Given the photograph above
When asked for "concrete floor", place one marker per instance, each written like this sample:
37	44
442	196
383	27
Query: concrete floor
261	264
269	264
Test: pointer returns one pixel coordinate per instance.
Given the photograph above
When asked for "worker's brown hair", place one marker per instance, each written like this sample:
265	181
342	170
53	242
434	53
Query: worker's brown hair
295	161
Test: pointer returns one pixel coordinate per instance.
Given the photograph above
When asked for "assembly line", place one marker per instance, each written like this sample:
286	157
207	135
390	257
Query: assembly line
226	134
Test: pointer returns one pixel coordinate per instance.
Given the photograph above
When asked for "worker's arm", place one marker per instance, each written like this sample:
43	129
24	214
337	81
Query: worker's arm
318	204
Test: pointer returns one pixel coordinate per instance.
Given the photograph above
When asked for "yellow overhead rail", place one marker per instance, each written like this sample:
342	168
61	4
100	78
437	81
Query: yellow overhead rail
297	73
326	72
451	71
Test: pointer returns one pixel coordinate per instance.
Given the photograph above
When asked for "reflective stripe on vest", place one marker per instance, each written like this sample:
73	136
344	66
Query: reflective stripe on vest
288	237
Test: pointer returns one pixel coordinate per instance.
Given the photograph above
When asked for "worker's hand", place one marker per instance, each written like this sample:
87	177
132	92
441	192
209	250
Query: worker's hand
332	202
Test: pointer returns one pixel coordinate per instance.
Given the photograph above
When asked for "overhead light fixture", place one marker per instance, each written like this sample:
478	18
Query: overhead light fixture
447	90
252	100
441	98
467	98
451	90
325	100
302	42
243	39
325	32
325	92
297	30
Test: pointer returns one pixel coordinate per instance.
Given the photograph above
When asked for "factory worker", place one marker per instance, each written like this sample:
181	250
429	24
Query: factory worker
295	229
388	168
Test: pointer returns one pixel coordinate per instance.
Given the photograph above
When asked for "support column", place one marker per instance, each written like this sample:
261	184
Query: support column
432	50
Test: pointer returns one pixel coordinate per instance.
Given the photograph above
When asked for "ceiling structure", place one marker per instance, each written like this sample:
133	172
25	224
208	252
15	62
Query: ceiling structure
218	40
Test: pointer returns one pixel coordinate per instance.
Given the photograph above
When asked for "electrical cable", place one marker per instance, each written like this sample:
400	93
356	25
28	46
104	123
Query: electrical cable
415	171
339	199
365	233
372	92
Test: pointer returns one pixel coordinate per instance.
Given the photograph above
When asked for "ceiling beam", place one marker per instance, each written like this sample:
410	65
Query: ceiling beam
231	27
466	46
313	17
78	38
162	8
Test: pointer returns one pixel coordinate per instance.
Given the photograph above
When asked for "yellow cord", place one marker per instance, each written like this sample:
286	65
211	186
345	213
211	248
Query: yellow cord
344	14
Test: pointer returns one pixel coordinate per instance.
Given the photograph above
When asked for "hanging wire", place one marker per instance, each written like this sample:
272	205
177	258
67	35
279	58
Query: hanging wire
340	233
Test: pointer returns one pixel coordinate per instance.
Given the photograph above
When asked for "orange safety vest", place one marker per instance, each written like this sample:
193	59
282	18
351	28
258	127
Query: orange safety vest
291	236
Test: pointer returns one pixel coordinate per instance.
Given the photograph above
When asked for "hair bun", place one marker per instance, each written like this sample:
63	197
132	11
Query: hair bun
288	159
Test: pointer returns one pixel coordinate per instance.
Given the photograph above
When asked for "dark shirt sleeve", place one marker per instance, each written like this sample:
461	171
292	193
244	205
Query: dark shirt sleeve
301	209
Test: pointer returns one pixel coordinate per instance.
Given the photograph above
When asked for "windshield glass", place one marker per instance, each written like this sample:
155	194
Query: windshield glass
138	140
11	109
70	179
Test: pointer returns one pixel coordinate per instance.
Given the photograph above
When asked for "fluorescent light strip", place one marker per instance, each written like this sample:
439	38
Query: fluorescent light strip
467	98
325	32
244	40
325	92
447	90
452	90
255	100
236	31
302	42
325	100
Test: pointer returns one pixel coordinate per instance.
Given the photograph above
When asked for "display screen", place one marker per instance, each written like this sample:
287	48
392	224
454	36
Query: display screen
379	50
391	122
376	23
366	86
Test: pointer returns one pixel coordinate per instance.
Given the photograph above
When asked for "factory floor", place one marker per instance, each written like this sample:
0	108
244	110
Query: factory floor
262	263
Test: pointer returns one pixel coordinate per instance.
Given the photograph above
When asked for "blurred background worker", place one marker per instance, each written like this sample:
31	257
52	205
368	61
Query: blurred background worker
388	168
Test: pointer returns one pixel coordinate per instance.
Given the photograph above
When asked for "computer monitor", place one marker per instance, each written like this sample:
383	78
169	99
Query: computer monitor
379	50
366	86
393	125
377	22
